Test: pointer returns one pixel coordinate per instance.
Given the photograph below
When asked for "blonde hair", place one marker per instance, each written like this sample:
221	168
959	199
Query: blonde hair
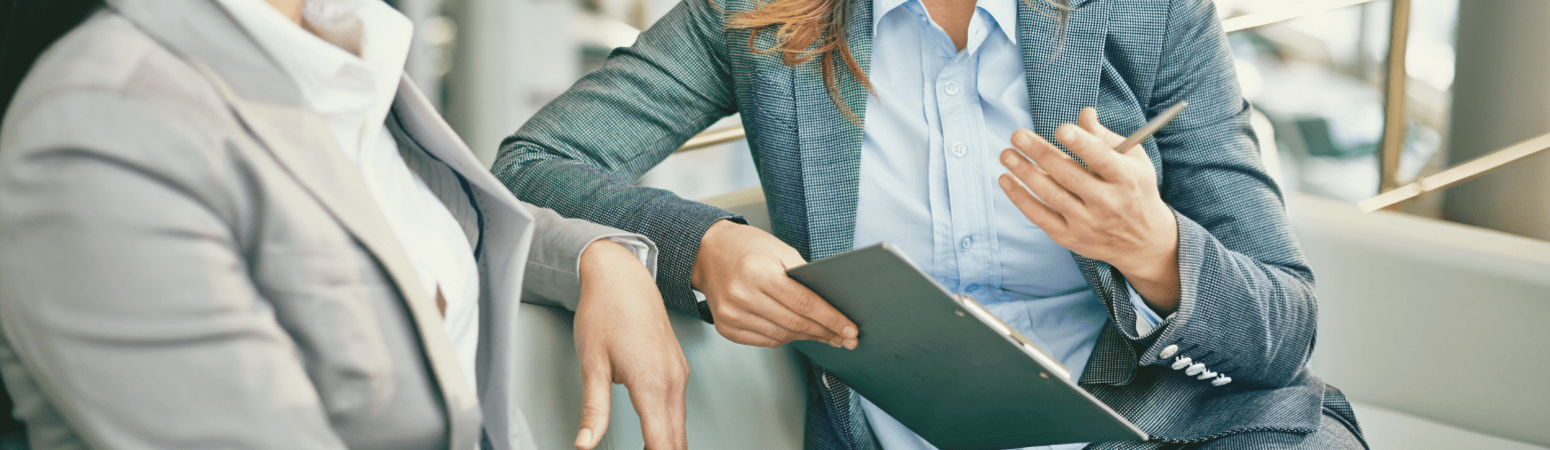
800	24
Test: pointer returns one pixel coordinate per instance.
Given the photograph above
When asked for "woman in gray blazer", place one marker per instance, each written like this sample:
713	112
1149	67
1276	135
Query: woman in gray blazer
219	229
1166	277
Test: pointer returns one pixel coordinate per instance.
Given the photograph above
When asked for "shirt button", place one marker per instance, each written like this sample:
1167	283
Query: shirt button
952	88
1167	352
966	243
959	149
972	288
1221	381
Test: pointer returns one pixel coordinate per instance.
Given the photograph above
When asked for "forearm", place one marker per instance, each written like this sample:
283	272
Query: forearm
576	190
580	154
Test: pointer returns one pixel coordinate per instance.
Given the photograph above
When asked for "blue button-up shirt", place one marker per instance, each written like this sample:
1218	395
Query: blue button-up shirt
935	127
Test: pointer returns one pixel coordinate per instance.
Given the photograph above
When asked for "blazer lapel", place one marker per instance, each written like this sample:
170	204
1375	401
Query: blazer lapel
425	125
1063	78
299	142
831	144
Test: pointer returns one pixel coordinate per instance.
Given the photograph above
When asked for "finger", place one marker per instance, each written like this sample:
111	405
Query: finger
1037	212
1042	185
747	337
1088	119
805	302
783	317
653	400
1099	156
1065	171
596	384
780	334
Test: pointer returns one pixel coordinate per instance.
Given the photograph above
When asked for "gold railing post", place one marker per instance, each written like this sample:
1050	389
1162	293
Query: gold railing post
1394	128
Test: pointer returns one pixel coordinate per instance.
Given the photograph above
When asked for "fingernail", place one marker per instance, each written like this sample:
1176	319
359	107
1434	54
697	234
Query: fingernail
584	438
1021	138
1003	181
850	344
1008	159
834	343
850	332
1064	132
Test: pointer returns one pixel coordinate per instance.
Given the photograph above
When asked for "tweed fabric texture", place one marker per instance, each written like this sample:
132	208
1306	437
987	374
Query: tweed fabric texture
1247	309
1337	430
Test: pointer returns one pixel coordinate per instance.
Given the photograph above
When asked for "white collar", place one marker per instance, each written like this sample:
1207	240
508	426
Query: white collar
350	67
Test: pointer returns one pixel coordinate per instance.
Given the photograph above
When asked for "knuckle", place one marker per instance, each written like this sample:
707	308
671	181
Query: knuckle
802	302
730	316
792	322
726	330
657	383
593	409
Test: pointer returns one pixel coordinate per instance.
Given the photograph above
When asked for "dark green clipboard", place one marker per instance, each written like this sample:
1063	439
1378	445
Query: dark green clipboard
944	366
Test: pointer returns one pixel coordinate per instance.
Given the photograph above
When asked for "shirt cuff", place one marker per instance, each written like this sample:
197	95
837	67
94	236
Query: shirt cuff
636	244
1146	319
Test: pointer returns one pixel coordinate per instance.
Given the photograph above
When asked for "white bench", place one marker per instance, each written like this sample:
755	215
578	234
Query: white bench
1437	331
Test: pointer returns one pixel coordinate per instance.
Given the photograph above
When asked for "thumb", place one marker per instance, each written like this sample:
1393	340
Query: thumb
1088	120
596	387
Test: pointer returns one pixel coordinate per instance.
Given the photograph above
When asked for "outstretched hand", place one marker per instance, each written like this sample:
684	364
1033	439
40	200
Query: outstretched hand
623	336
1110	210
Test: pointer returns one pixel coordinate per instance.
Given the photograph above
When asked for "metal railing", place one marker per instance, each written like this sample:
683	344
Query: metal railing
1456	175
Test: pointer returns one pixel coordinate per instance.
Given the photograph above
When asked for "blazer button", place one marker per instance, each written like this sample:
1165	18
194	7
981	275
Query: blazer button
1182	363
1195	369
1167	352
1221	381
1206	375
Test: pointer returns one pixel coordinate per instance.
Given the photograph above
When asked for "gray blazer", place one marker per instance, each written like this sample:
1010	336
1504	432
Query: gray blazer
1247	307
186	261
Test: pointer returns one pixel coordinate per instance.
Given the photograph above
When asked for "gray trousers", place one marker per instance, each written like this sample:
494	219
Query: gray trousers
1338	431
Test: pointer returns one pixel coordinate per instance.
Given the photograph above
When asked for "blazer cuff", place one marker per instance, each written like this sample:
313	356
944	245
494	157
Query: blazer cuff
1179	331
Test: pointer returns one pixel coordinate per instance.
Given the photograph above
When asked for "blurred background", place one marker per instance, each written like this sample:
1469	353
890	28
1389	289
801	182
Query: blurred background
1432	314
1316	81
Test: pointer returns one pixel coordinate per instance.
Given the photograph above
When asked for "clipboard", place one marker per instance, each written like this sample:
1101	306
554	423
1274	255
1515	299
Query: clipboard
944	366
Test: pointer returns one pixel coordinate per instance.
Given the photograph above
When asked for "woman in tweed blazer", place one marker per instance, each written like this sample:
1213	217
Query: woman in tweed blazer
1225	369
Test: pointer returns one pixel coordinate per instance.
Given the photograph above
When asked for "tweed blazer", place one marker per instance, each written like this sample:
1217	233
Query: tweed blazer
1248	308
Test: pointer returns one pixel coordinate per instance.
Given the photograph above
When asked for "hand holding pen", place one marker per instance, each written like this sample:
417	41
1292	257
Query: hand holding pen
1110	210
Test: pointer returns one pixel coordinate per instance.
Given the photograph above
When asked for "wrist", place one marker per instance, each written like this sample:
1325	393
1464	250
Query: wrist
1154	268
603	257
707	250
1157	259
607	266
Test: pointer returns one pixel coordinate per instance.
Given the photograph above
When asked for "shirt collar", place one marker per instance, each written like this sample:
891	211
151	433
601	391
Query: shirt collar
1004	12
339	67
881	8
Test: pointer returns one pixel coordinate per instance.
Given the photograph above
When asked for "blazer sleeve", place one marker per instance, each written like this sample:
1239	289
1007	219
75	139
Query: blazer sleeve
581	153
553	275
1247	309
130	320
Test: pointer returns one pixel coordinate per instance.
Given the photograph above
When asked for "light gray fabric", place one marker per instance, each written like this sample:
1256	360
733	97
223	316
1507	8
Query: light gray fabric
186	261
